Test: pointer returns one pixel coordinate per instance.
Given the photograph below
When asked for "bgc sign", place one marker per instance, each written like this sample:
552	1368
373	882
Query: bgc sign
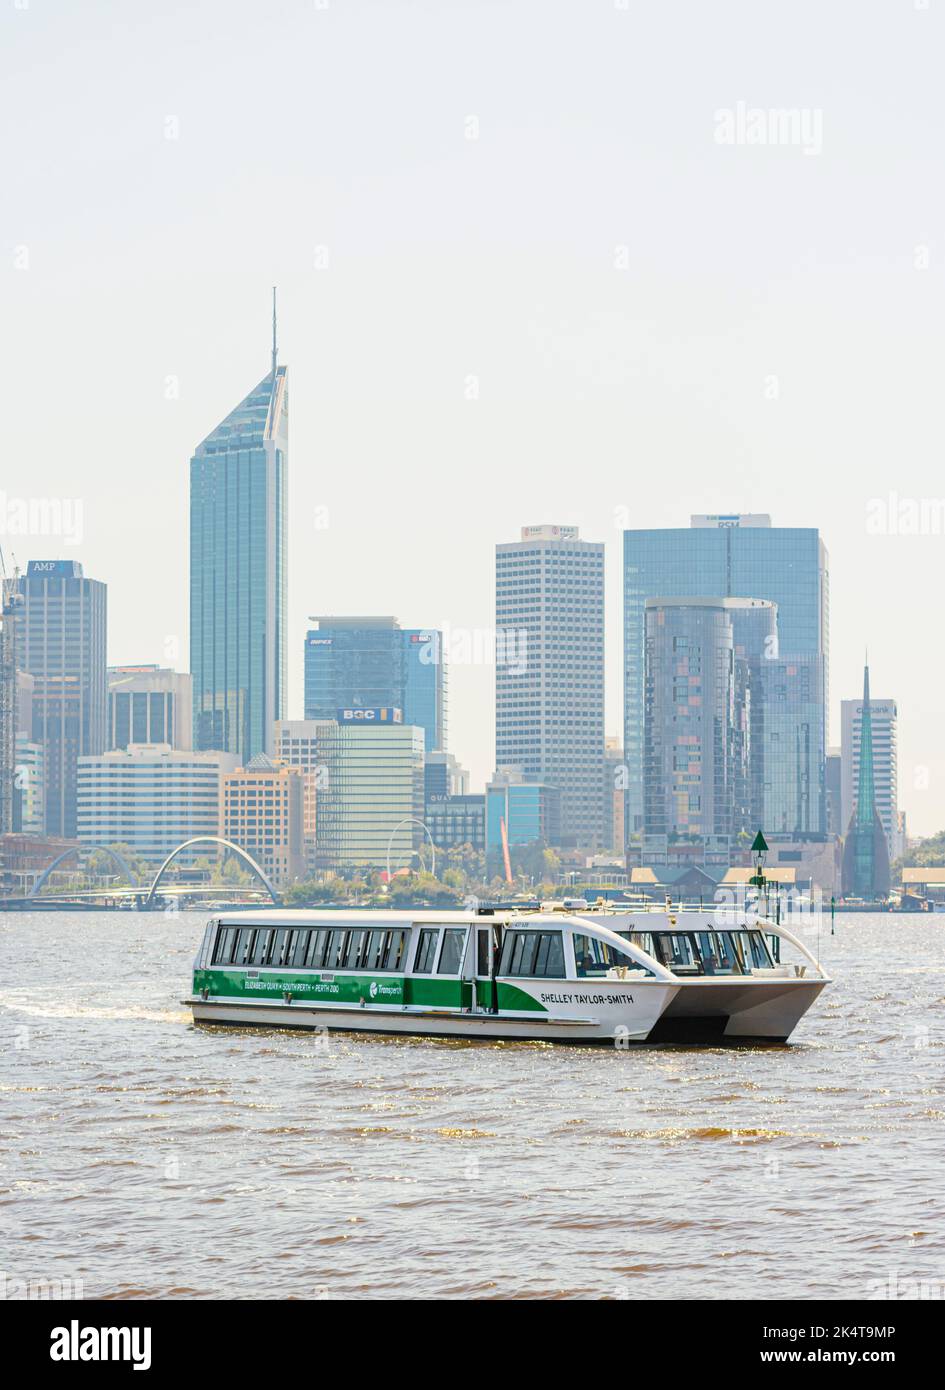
386	715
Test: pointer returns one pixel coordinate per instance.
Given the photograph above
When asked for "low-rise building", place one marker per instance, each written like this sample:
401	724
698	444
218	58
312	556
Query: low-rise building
299	743
457	820
264	813
531	811
150	797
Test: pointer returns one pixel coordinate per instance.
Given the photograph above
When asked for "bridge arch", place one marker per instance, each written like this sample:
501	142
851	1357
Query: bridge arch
247	859
83	849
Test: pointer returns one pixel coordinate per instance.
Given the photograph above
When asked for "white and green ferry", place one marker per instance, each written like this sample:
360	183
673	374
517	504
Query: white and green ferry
594	976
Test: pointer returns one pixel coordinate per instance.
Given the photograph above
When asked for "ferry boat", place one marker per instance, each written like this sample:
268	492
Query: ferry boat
567	976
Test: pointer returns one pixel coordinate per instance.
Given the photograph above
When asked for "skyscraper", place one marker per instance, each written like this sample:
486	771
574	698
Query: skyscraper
238	479
703	715
734	556
10	605
373	663
549	685
62	646
865	852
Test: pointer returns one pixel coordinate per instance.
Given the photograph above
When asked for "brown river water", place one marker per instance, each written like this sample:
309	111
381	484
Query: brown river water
145	1157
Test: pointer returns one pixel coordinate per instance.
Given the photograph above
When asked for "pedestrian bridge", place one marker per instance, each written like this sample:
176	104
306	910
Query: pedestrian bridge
145	896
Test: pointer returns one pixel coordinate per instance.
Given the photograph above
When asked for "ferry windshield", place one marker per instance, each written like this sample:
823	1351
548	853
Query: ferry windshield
717	953
594	958
706	952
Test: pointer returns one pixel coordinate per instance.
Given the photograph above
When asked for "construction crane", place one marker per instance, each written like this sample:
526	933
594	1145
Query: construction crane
11	602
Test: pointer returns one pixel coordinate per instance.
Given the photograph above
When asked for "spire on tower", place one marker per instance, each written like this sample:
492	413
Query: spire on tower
274	349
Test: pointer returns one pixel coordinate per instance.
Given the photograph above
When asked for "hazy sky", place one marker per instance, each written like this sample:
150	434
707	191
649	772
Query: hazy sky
522	279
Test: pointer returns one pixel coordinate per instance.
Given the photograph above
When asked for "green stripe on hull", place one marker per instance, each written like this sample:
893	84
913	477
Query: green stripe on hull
514	999
427	991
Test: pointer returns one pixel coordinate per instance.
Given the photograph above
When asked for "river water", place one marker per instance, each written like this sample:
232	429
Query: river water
145	1157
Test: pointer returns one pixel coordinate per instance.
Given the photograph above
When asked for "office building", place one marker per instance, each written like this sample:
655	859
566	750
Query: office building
264	813
298	744
148	704
703	709
531	811
238	572
454	821
29	787
734	556
549	685
373	663
833	792
372	802
615	795
443	776
61	642
151	798
11	606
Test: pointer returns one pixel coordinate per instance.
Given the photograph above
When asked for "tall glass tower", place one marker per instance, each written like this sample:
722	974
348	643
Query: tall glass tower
61	639
738	556
370	663
238	572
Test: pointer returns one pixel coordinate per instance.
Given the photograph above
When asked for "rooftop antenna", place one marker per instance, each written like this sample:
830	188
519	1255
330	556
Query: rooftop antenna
274	351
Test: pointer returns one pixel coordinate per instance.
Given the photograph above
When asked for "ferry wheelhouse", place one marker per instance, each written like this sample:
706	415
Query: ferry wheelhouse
572	976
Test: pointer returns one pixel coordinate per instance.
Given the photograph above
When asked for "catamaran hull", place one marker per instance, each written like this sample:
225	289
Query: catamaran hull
614	1026
745	1010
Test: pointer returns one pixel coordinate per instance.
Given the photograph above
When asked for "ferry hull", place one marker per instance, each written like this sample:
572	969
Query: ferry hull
614	1029
742	1010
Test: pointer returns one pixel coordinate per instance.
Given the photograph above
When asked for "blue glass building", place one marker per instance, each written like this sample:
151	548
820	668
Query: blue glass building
61	644
366	663
238	573
531	811
738	556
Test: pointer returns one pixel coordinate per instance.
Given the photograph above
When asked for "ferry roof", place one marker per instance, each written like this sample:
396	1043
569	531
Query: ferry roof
302	916
613	919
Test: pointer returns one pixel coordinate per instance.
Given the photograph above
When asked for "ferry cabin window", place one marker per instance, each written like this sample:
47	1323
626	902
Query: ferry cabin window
593	957
426	951
315	955
335	951
244	946
642	939
754	952
677	953
374	950
482	951
223	950
354	951
451	952
394	949
261	947
310	948
532	953
717	953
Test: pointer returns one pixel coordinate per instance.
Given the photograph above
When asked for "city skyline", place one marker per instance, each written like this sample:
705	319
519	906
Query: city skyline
593	365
